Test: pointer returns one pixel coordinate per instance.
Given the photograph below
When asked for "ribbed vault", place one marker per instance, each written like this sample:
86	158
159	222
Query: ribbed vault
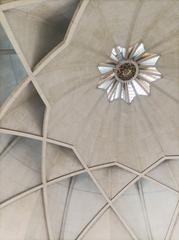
73	165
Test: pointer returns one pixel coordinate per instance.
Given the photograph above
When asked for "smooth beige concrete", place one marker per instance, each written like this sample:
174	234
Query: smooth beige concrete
61	161
24	219
20	167
43	25
167	173
134	135
26	113
12	72
108	227
72	165
113	179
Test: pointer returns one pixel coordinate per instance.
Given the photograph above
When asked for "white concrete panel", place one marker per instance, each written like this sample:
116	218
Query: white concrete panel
84	204
25	113
41	26
167	173
23	219
57	195
11	69
108	227
148	210
20	168
160	205
61	161
4	142
130	208
176	230
113	179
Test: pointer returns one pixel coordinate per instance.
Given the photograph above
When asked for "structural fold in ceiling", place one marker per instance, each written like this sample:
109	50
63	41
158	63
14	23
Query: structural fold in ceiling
73	166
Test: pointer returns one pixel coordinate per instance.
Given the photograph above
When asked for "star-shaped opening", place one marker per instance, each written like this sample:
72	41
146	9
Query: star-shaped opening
129	74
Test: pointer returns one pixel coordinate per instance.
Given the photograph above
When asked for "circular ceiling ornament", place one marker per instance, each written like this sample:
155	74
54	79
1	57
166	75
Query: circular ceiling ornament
129	74
126	70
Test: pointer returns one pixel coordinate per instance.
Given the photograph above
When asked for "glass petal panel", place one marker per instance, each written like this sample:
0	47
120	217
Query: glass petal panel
151	61
144	85
105	68
138	88
131	91
138	52
114	55
118	91
112	90
105	84
148	78
150	70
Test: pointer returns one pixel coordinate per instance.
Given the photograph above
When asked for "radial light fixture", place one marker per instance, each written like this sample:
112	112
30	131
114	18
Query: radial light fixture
129	73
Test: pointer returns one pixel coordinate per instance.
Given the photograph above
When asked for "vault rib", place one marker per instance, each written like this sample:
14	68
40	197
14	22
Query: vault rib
13	96
20	196
67	39
59	143
19	3
44	175
61	178
20	134
172	175
9	146
92	222
131	170
14	43
36	188
146	218
161	184
65	210
144	175
130	231
159	161
105	165
21	56
172	223
176	212
40	92
125	188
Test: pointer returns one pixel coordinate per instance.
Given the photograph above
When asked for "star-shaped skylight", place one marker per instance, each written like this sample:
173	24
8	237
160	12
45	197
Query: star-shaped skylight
129	73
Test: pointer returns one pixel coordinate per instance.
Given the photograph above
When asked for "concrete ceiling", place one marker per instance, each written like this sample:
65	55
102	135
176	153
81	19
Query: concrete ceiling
73	165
